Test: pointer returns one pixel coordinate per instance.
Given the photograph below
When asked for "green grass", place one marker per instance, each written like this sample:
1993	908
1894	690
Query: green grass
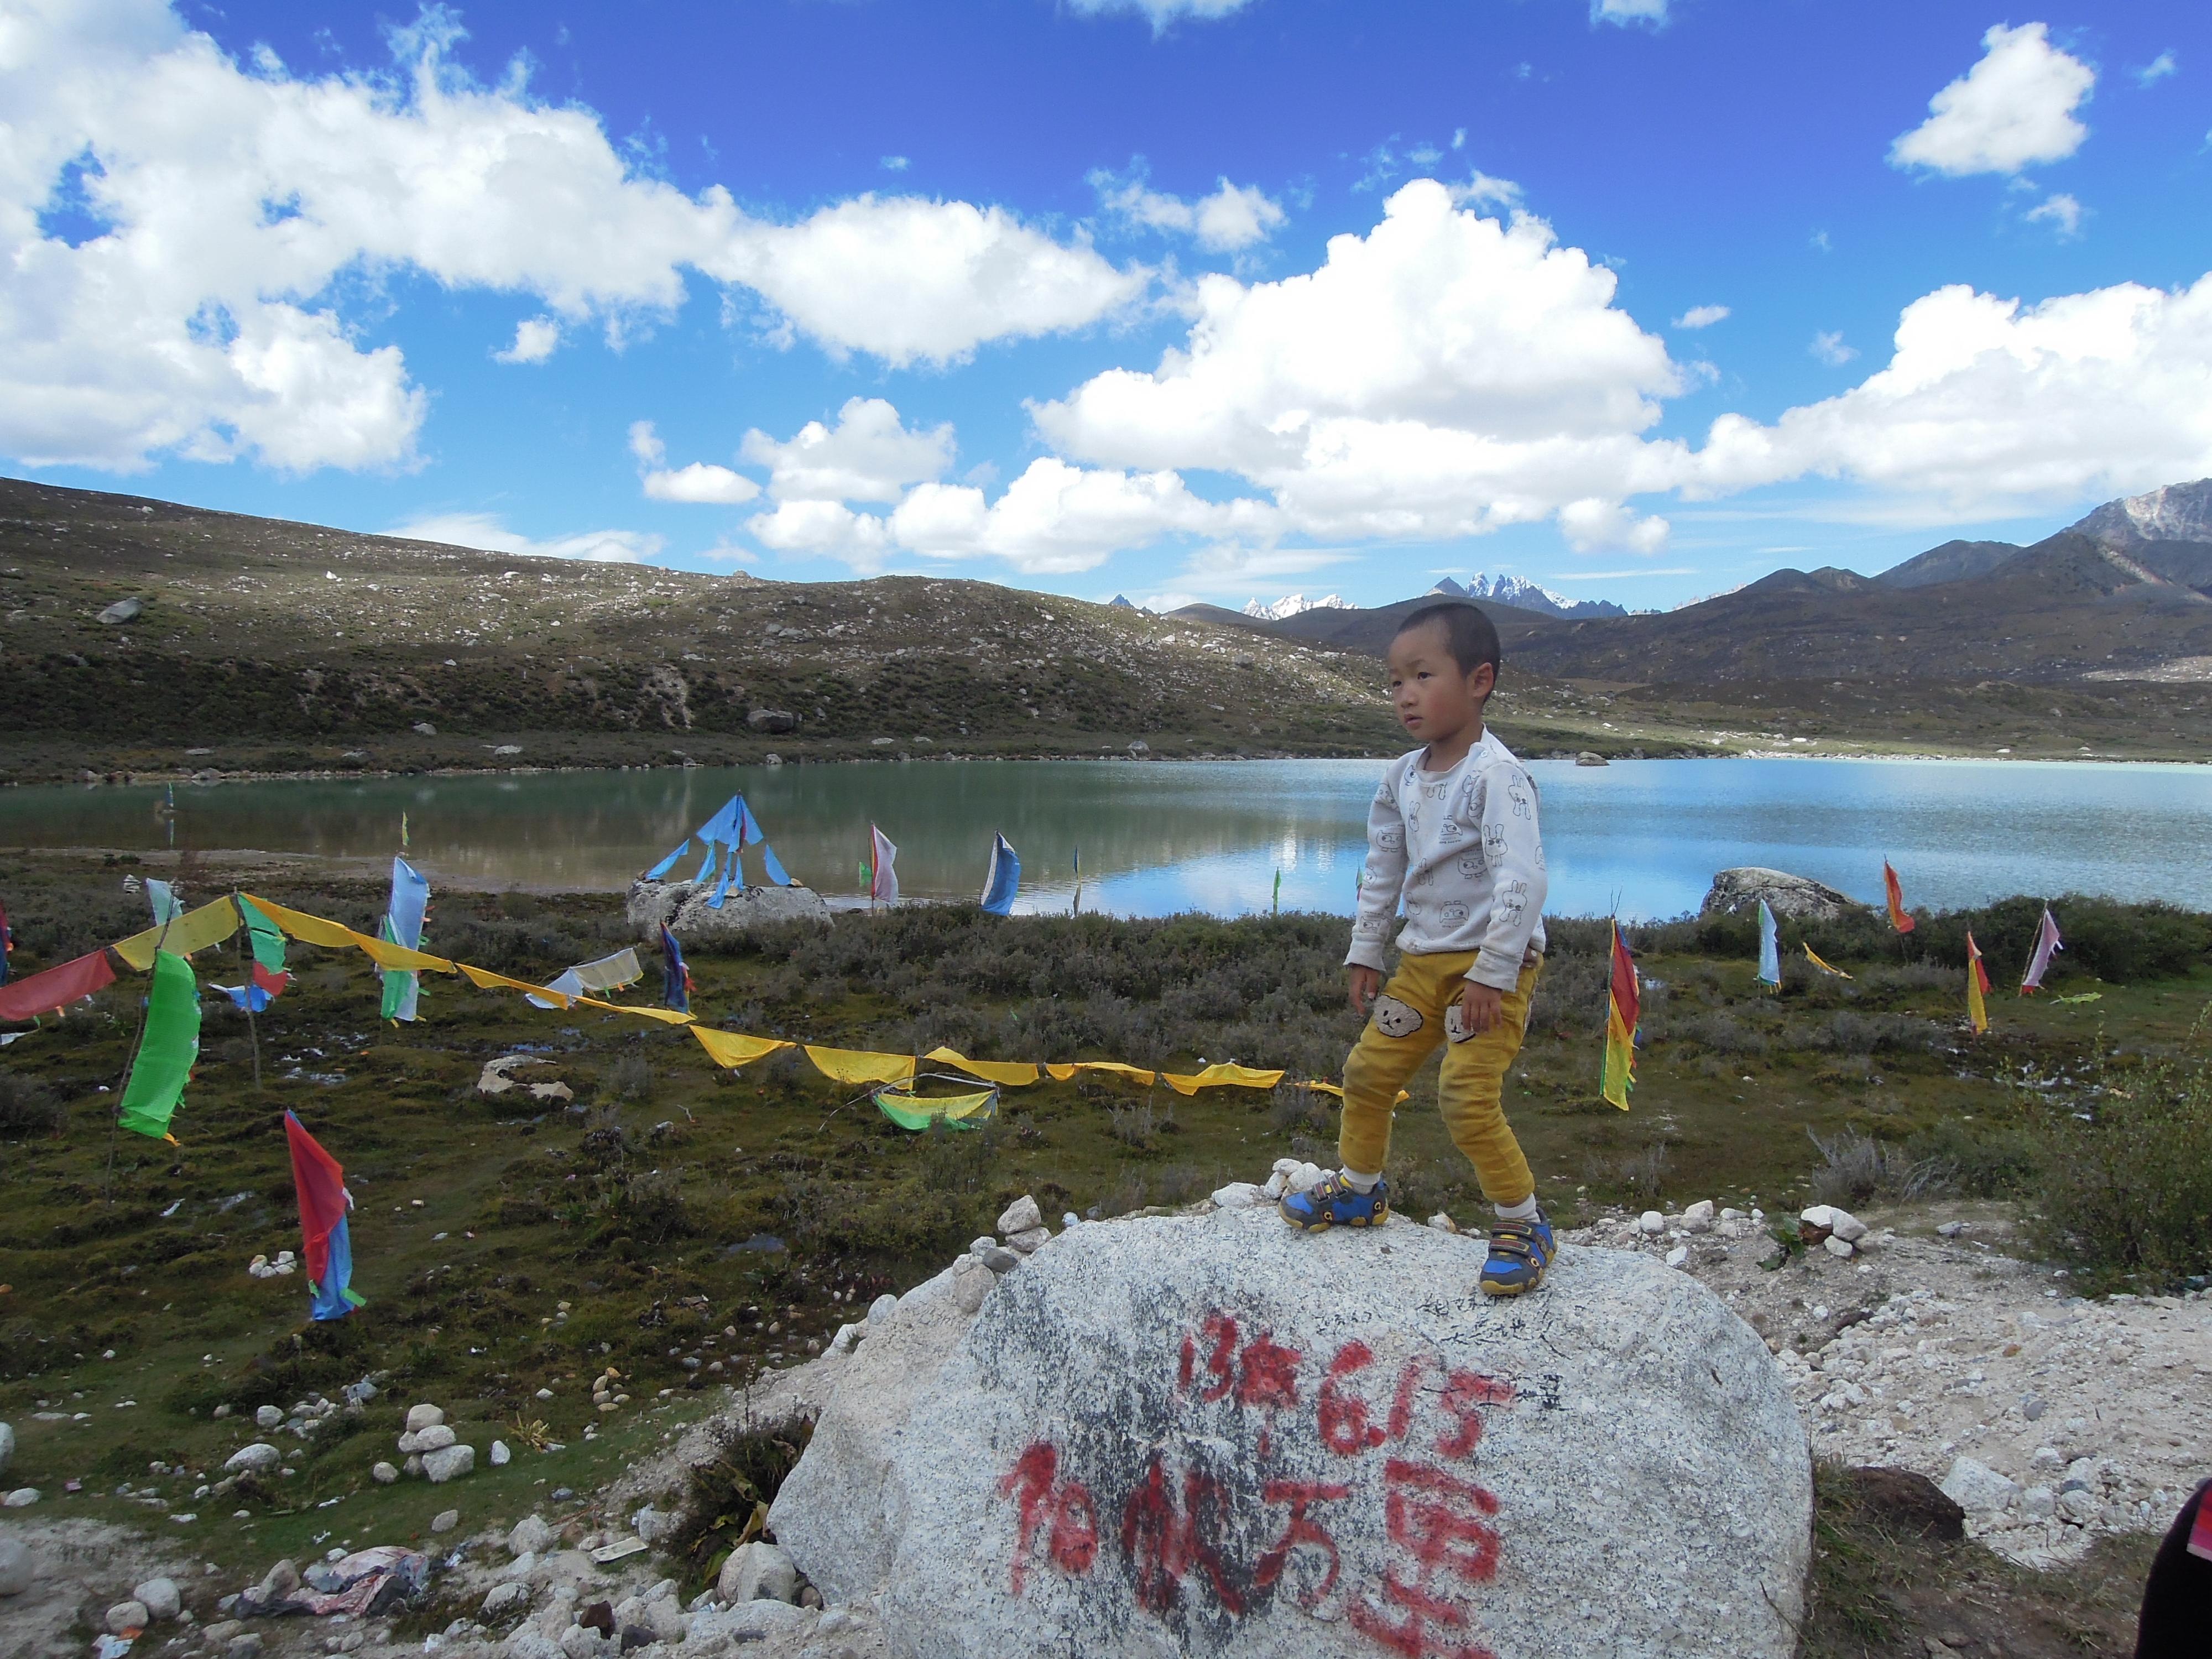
635	1207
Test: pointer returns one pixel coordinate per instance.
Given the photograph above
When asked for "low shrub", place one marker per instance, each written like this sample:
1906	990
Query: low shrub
28	1108
2124	1188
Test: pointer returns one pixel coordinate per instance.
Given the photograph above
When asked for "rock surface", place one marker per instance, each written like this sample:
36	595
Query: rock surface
683	905
1800	897
757	1572
16	1569
1214	1436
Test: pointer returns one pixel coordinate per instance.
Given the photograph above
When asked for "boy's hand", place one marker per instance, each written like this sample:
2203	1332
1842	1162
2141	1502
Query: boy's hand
1481	1007
1365	983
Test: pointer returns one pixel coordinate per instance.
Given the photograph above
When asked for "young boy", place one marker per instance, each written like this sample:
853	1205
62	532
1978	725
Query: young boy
1453	835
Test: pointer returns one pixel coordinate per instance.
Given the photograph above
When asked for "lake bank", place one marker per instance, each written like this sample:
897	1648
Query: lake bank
1639	838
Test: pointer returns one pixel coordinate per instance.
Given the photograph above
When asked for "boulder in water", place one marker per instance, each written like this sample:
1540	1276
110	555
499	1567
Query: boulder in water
1211	1435
1800	897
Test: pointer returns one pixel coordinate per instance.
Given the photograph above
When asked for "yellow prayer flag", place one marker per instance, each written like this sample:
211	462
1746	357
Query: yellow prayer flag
195	930
860	1066
1012	1073
1214	1077
732	1049
1059	1071
484	979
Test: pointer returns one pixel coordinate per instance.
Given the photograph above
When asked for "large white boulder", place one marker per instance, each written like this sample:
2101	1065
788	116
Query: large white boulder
687	907
1213	1435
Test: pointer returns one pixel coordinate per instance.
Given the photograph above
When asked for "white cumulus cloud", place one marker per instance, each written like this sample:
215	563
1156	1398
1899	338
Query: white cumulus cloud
868	456
701	483
1653	12
830	529
1989	404
1056	519
1828	346
1232	216
2061	212
1161	12
1444	375
490	531
2015	108
535	337
196	304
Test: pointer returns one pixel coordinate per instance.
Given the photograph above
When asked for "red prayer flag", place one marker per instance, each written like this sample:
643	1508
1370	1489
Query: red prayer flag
58	988
321	1183
1895	892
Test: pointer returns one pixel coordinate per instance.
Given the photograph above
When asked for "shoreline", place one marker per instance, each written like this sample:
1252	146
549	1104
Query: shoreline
208	778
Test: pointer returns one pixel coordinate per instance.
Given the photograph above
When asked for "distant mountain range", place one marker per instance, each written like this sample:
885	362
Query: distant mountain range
1525	595
2124	594
1296	604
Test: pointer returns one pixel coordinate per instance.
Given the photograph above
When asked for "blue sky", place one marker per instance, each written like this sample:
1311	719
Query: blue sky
1639	300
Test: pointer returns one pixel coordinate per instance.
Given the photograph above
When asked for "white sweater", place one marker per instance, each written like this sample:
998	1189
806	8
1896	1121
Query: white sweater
1462	850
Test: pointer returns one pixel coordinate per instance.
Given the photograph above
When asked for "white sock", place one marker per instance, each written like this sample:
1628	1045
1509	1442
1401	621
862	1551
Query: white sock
1361	1183
1524	1211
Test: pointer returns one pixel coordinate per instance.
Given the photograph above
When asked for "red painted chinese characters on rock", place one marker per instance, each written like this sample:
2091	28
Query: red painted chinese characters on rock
1178	1524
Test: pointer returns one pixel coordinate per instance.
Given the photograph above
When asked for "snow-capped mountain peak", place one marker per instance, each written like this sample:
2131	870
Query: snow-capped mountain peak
1293	604
1525	595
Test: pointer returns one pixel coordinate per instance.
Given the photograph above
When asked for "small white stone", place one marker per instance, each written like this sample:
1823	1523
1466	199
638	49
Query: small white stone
1651	1223
1846	1226
530	1536
882	1308
424	1417
259	1456
448	1463
1239	1195
126	1616
500	1457
757	1571
160	1597
1678	1255
1443	1223
1699	1217
436	1437
1817	1215
383	1473
1028	1242
1019	1217
267	1417
1836	1247
505	1599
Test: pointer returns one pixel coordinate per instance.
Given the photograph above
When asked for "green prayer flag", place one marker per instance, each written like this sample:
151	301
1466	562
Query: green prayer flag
165	1053
401	985
265	937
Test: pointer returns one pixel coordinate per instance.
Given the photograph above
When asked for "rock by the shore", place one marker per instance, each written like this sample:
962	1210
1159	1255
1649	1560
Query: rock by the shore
1798	896
1210	1434
686	907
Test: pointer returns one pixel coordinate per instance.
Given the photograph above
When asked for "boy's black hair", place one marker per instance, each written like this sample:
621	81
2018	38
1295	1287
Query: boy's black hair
1470	637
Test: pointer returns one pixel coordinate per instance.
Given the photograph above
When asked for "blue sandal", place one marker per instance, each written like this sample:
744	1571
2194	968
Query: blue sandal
1520	1251
1335	1202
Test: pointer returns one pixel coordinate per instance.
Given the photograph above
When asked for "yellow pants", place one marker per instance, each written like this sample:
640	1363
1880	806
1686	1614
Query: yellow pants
1418	1010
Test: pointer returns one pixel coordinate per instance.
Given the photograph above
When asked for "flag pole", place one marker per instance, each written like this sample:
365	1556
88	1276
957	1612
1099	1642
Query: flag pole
246	950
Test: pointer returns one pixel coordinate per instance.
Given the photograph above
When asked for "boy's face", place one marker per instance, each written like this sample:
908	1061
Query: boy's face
1435	701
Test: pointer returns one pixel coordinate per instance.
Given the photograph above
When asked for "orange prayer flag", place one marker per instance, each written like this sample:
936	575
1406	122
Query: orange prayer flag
1895	892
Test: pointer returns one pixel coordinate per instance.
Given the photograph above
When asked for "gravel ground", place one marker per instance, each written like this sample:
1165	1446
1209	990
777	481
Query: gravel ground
1924	1350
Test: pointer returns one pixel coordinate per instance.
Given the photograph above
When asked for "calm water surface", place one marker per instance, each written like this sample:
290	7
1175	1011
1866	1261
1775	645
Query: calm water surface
1158	838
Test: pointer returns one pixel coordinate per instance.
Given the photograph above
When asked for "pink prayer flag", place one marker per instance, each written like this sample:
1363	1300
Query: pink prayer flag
2046	941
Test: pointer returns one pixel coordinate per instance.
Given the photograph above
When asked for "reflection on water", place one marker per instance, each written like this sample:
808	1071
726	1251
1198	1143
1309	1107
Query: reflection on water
1155	838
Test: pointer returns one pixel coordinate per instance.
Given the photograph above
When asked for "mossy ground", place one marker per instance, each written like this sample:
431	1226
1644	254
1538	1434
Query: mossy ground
649	1208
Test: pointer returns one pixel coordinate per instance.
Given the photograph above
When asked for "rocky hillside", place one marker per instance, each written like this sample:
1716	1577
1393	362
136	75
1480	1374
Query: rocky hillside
127	622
